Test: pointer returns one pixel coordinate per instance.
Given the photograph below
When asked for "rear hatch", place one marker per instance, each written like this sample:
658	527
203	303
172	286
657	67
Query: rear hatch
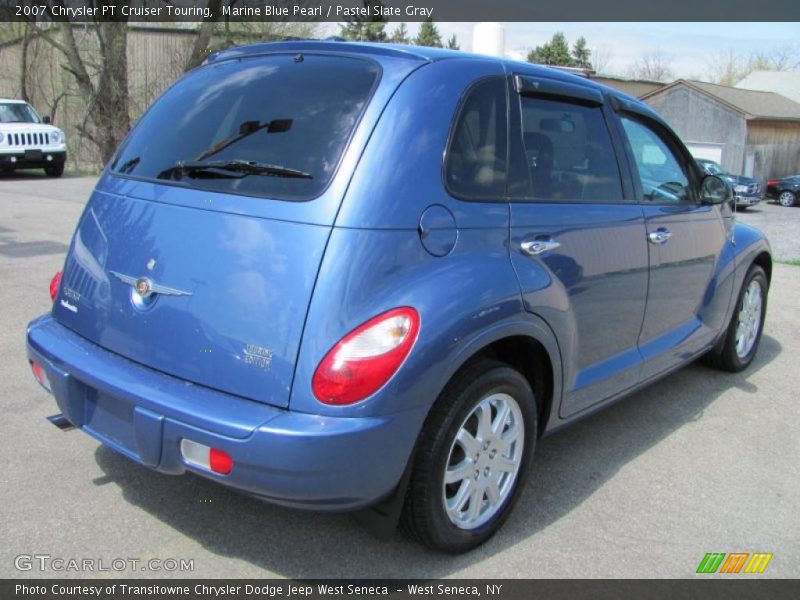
198	251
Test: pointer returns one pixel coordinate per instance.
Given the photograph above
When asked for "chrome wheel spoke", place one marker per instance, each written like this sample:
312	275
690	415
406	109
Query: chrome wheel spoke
500	420
468	443
459	472
493	491
485	421
505	464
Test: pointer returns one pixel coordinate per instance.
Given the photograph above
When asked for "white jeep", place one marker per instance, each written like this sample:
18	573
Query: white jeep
28	141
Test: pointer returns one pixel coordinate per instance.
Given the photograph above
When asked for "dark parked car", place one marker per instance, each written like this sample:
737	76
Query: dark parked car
786	191
353	276
747	191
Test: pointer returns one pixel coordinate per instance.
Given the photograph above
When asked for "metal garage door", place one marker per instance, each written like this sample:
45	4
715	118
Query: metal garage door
705	150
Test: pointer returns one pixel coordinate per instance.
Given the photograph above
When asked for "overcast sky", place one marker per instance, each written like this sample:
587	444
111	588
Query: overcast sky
689	46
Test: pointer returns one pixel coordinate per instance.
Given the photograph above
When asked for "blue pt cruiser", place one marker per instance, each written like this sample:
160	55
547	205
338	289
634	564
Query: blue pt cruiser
352	276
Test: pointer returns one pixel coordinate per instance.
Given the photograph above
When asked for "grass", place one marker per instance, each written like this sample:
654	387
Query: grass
795	262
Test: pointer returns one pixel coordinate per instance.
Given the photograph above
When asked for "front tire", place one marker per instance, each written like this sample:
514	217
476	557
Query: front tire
472	458
787	198
743	335
54	170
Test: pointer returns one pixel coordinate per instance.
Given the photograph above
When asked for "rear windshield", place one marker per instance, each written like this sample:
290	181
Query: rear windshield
270	126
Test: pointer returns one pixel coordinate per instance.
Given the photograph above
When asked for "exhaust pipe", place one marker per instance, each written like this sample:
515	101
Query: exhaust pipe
61	422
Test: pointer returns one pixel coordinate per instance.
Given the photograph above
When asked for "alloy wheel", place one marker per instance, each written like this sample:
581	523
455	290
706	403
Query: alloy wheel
484	461
747	328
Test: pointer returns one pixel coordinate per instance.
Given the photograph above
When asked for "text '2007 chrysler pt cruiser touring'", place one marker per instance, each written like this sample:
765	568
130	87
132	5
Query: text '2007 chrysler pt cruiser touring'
351	276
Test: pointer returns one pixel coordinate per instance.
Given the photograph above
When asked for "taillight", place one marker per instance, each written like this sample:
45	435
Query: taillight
366	358
55	283
772	181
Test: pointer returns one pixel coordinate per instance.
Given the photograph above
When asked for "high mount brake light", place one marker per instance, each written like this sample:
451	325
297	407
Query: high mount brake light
366	358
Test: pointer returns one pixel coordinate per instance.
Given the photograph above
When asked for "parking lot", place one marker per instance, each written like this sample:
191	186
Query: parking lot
700	462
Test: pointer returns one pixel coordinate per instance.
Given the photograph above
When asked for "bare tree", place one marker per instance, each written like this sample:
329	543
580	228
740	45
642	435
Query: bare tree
99	68
653	66
213	36
601	59
730	67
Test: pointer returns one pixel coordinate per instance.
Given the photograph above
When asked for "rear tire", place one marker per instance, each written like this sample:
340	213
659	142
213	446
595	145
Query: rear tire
54	170
787	198
739	346
473	456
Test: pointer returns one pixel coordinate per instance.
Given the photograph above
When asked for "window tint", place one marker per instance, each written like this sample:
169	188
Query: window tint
568	152
660	172
476	158
271	110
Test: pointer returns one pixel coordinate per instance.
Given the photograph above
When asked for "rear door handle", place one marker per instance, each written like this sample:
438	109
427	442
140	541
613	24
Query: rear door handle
659	236
538	246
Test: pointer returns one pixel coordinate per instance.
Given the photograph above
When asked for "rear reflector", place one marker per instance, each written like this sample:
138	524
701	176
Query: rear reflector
55	283
205	457
41	376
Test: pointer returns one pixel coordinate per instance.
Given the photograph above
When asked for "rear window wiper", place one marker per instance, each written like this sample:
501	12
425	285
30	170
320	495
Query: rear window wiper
230	169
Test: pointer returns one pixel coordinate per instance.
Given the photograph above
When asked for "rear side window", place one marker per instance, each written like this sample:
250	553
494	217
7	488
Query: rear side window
475	167
271	126
568	152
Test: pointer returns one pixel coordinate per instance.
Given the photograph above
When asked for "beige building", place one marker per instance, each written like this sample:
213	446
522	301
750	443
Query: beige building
752	133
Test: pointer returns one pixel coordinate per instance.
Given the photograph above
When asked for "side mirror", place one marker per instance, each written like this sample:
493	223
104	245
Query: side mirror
46	120
715	190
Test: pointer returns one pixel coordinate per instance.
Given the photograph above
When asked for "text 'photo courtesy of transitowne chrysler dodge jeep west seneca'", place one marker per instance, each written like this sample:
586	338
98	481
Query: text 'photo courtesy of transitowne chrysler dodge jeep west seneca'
369	277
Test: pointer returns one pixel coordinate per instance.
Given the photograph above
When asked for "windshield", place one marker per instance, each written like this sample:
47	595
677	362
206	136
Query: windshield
289	117
15	112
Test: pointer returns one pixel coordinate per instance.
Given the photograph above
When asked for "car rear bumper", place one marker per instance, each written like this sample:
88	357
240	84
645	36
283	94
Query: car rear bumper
286	457
32	159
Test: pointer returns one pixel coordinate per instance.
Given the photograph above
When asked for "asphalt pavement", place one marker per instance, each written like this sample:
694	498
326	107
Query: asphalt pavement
700	462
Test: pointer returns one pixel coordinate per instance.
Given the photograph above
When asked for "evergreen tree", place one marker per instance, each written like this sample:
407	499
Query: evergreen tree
452	43
363	31
555	52
428	35
581	54
400	35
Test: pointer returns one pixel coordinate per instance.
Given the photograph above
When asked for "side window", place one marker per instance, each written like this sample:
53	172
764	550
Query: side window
568	152
475	164
660	172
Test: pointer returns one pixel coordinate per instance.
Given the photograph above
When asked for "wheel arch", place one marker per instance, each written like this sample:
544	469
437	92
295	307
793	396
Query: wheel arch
529	347
764	260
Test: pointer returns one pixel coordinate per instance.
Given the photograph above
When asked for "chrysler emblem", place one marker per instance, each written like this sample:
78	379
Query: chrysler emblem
143	286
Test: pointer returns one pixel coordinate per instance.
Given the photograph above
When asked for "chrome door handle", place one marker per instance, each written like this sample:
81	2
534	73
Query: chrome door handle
659	236
534	247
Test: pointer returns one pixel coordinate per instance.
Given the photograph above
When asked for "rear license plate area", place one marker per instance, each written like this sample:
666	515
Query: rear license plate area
110	419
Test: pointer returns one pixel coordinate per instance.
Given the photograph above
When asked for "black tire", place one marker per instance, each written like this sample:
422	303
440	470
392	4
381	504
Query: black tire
56	170
424	516
725	356
787	198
